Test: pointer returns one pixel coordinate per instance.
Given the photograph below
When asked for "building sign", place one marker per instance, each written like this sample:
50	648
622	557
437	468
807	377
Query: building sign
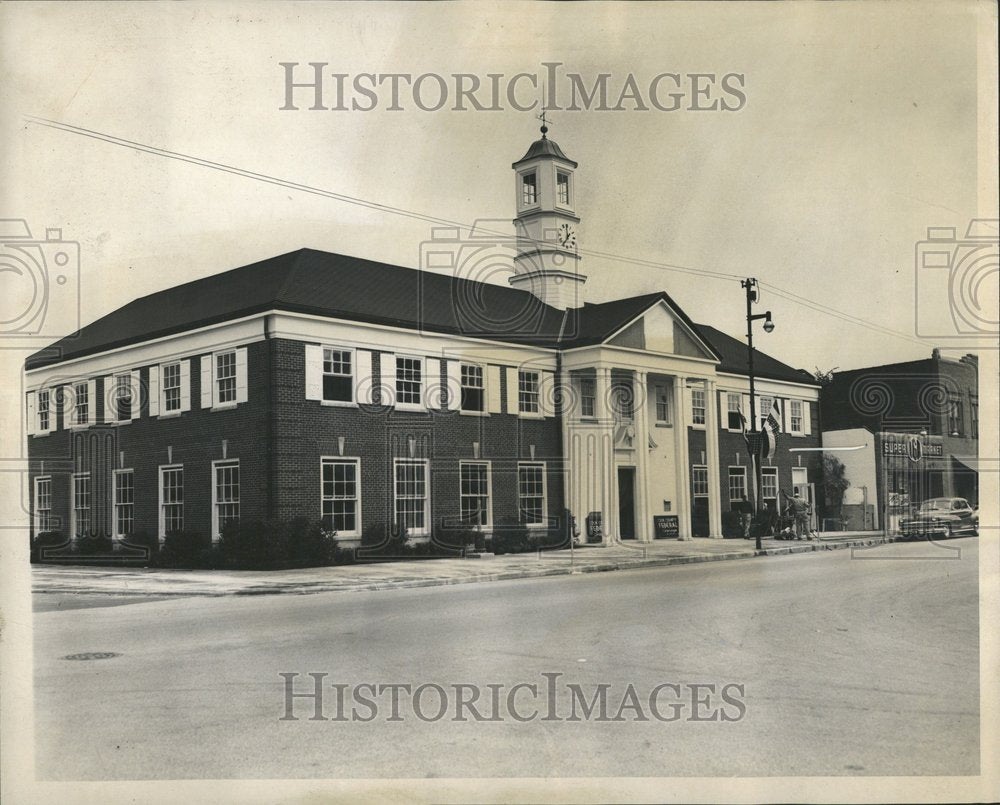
914	448
666	526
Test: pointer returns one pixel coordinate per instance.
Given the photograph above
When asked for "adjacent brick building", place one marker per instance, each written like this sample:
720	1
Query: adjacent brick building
370	395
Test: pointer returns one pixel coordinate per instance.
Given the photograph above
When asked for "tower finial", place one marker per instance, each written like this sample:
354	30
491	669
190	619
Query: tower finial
545	128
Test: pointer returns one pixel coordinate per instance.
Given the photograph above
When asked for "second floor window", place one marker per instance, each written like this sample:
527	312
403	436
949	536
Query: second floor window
623	397
795	416
225	377
955	419
472	387
409	380
172	387
662	405
588	398
528	392
81	404
44	415
765	409
734	418
698	406
338	377
699	481
123	397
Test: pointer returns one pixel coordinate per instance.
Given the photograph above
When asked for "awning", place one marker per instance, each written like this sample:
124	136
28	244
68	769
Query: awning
977	464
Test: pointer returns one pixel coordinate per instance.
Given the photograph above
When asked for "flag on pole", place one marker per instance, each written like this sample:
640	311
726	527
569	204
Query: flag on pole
771	429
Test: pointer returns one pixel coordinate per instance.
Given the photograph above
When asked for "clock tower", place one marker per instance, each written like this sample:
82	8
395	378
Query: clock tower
546	226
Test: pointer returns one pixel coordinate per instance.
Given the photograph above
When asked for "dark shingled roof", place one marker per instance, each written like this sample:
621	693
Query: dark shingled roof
544	148
733	352
353	289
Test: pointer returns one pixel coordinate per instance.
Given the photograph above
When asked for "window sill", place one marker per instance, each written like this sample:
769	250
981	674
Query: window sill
474	413
224	406
535	526
693	426
526	415
78	427
170	415
663	425
409	407
338	403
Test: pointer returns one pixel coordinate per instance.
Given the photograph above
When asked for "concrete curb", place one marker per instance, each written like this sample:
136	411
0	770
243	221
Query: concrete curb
307	588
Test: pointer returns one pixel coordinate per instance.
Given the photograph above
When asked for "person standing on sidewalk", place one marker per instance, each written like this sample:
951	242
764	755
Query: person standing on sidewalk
800	510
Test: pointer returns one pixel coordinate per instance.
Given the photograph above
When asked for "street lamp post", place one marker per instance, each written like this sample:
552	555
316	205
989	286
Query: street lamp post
753	443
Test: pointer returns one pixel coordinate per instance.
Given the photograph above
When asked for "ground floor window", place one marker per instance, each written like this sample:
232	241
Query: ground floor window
699	481
124	501
769	483
225	495
412	498
43	504
81	505
171	499
475	492
339	493
737	484
531	493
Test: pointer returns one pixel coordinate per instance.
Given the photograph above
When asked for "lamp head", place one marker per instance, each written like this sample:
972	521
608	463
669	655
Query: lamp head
768	324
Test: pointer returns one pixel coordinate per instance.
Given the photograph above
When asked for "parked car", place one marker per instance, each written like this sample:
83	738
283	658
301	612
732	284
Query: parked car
941	517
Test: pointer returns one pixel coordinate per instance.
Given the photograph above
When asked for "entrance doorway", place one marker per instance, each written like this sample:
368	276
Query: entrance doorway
807	491
626	502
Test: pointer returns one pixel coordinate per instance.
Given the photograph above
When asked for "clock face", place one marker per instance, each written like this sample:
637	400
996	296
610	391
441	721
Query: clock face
567	237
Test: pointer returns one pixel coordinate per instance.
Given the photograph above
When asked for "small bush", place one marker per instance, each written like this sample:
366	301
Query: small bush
94	544
141	541
732	525
254	544
310	544
46	543
187	549
510	536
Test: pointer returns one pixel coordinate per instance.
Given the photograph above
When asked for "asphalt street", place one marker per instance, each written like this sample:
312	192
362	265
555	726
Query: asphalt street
831	665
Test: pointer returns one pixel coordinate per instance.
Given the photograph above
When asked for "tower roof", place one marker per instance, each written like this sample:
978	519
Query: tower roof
544	148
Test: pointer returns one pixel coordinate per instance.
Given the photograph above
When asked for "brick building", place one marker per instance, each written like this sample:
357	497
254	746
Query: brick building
369	395
920	420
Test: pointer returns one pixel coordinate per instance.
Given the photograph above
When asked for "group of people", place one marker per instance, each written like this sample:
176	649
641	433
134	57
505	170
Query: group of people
796	514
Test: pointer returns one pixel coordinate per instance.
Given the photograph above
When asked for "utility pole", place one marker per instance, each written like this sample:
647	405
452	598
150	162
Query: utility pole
754	440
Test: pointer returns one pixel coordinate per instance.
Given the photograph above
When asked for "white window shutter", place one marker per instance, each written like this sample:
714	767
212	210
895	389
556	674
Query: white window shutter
185	385
806	419
431	390
206	381
453	381
387	378
32	423
546	394
494	404
68	395
241	375
91	402
154	390
314	372
511	390
363	382
135	383
110	414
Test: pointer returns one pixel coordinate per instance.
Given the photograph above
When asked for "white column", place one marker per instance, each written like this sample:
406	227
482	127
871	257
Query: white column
644	527
609	498
570	466
681	460
712	459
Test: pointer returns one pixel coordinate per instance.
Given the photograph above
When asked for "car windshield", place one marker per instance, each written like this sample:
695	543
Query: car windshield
938	504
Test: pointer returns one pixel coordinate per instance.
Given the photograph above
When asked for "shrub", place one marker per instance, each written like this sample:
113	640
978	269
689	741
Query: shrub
47	543
510	536
310	544
732	525
254	544
449	541
187	549
94	544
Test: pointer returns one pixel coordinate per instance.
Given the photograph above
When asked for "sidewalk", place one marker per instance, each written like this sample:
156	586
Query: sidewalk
421	573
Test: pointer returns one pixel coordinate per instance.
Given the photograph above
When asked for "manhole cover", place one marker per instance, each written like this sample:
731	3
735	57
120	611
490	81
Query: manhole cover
92	655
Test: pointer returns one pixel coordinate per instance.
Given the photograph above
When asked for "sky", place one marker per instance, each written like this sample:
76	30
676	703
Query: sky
862	126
